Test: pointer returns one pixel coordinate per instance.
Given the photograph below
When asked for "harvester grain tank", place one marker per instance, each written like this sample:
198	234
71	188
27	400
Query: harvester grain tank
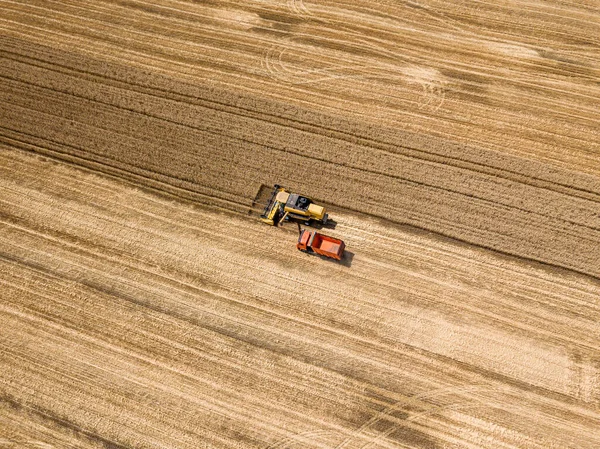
283	206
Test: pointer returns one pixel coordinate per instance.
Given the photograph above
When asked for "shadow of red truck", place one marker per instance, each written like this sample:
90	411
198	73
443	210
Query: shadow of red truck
312	241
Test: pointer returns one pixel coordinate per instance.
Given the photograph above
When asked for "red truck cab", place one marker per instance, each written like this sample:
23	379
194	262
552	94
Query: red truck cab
312	241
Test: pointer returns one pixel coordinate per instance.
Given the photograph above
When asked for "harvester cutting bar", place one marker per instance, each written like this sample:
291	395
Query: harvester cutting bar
271	201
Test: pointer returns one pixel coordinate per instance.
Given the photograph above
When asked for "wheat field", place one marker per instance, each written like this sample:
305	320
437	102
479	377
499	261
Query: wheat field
455	145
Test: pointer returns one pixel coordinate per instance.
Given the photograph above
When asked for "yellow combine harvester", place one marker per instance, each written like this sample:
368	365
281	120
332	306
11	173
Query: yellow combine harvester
283	206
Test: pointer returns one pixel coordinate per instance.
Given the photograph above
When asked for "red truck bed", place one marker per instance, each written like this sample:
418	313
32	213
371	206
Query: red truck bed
324	245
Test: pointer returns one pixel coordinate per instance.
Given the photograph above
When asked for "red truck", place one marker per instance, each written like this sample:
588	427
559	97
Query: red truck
312	241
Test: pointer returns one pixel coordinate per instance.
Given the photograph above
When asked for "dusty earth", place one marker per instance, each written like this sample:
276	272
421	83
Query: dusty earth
142	304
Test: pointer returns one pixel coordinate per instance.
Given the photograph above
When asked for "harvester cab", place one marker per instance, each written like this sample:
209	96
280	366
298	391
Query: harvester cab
283	206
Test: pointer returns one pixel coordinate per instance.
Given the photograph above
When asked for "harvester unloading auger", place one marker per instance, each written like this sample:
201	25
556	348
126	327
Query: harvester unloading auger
283	206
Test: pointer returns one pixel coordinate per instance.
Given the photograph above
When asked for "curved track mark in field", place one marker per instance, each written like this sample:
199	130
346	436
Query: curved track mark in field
272	62
298	7
470	399
433	90
374	440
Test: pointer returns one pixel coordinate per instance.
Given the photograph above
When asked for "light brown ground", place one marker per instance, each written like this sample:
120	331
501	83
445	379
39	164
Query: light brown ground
150	322
131	319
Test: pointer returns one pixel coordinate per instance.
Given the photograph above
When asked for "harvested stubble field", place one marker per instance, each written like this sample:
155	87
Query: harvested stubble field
142	305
